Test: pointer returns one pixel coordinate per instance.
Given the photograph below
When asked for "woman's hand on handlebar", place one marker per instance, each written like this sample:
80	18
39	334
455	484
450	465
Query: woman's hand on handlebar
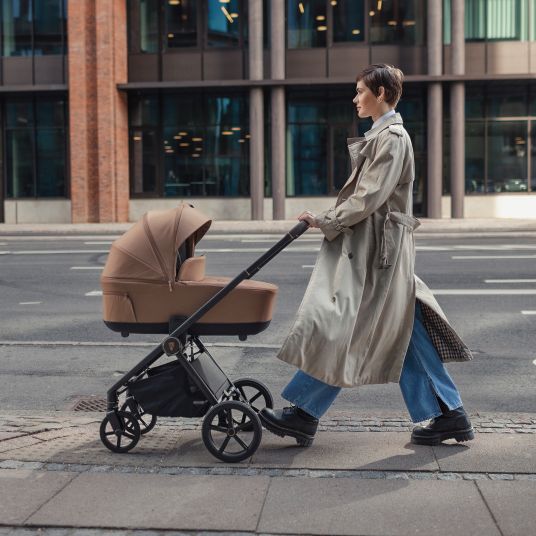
309	217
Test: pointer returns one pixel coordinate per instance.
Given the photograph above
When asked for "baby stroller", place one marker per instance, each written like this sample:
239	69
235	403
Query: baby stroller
153	283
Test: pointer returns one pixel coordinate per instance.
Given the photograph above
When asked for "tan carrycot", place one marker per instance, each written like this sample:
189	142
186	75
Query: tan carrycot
152	281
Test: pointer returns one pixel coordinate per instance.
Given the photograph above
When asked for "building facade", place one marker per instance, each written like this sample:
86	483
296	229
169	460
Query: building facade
110	108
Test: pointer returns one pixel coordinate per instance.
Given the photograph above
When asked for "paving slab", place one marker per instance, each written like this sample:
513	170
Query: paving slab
157	502
23	492
512	504
346	450
375	507
490	453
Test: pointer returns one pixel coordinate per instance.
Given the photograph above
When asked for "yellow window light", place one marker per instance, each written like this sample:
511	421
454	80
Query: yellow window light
195	155
197	139
227	15
227	133
236	128
379	5
177	137
391	22
248	136
184	144
170	35
234	15
356	32
333	2
241	140
199	148
225	1
322	28
136	138
321	17
301	8
372	13
174	2
408	23
183	133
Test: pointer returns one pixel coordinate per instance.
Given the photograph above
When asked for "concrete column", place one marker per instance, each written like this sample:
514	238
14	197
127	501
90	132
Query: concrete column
278	105
435	110
457	112
98	116
256	110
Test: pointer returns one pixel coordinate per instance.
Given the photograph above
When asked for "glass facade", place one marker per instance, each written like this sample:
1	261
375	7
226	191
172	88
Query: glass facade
494	20
397	21
348	21
499	130
33	27
35	147
189	144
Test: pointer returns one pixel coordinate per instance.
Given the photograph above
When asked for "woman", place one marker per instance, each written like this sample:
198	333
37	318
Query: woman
365	317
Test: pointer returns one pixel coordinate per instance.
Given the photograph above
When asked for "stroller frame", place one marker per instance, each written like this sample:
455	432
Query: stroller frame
219	391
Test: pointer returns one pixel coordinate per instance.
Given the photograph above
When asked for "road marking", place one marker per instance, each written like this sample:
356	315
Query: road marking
104	243
53	251
259	241
295	249
308	265
472	257
94	293
528	312
143	344
87	267
484	292
491	247
509	280
29	303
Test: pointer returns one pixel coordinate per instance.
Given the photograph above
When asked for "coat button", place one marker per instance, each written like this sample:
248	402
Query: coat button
350	255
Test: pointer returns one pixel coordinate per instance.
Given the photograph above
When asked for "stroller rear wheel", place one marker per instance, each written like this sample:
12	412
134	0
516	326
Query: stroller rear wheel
122	435
231	431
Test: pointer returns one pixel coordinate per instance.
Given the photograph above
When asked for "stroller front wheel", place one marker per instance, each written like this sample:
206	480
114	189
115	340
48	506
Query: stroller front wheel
231	431
122	435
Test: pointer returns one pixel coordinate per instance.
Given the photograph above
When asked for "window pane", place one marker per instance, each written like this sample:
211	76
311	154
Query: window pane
181	23
143	161
183	109
19	158
17	27
50	113
50	162
144	111
397	21
143	26
301	110
19	113
224	21
475	150
306	160
228	112
48	27
495	20
306	23
341	160
507	156
349	20
533	156
506	100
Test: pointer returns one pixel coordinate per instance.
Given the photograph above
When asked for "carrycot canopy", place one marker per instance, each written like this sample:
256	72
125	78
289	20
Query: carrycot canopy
148	250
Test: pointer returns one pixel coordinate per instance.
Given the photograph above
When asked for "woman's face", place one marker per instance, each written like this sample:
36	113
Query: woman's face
367	104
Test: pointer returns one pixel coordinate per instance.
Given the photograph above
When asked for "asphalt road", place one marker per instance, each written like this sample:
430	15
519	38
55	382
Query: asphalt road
54	346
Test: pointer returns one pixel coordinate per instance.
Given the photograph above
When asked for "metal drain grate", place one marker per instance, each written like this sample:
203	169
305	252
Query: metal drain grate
89	403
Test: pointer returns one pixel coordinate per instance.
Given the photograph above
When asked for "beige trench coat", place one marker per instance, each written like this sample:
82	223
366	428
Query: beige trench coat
355	321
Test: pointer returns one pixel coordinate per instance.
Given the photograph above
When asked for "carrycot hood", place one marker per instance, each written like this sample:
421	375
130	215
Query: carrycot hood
148	250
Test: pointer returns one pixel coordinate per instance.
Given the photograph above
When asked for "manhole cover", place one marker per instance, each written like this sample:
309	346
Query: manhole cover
89	403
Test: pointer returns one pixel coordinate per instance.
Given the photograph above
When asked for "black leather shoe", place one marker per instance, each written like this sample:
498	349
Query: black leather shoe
291	421
453	424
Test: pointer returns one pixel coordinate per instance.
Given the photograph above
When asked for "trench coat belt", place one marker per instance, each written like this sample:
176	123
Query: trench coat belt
387	240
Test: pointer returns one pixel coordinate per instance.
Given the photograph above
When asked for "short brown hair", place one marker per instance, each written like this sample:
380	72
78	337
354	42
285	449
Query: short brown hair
388	76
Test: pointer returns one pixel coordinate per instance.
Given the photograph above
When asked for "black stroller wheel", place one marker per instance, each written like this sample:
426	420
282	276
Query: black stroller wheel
231	431
146	421
124	438
255	393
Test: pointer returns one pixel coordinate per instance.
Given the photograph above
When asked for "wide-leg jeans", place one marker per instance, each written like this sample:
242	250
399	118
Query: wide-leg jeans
424	378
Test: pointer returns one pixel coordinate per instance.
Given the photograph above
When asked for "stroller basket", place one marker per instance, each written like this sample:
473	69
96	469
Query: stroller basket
169	392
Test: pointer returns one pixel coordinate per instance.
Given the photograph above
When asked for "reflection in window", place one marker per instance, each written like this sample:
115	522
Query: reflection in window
224	23
35	134
348	20
181	23
507	100
475	154
507	156
498	20
43	21
306	23
397	21
533	156
143	26
203	149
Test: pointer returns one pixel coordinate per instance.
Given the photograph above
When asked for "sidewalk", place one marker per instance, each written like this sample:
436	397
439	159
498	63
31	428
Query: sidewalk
483	227
361	476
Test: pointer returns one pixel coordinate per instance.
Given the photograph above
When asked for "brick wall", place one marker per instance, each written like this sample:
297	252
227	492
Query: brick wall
98	115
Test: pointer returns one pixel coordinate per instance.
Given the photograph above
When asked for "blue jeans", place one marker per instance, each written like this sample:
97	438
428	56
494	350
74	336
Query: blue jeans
423	377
